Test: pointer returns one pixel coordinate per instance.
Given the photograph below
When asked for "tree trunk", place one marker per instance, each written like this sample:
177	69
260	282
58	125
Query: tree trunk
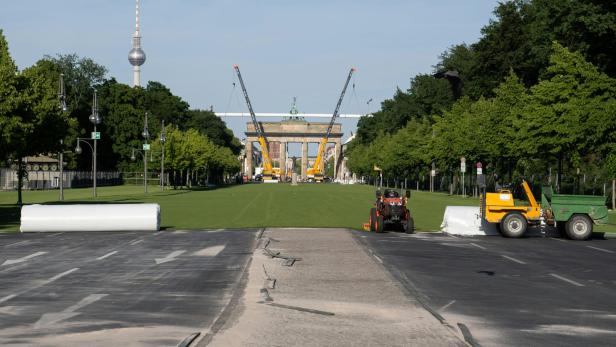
20	180
559	176
188	182
174	179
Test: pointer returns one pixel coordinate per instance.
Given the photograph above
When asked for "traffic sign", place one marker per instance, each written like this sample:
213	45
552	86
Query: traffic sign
146	146
96	135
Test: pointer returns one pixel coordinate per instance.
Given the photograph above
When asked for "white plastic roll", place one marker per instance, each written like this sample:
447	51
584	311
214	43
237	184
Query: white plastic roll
466	220
90	217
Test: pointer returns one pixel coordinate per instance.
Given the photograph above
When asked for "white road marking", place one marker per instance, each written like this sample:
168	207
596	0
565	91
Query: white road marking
7	298
557	239
478	246
51	318
17	243
22	259
56	234
566	280
513	259
215	230
136	242
170	257
601	249
445	307
106	255
210	251
158	232
133	240
377	258
39	284
58	276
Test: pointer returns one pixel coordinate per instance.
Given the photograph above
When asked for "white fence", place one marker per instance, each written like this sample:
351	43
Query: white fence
51	179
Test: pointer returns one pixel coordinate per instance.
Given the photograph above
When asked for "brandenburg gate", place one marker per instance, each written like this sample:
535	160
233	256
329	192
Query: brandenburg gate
293	131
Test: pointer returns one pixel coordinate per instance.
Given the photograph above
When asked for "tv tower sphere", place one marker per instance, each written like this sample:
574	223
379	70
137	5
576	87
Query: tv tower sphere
136	56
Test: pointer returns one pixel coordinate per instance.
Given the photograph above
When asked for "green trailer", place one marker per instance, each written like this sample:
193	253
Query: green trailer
573	214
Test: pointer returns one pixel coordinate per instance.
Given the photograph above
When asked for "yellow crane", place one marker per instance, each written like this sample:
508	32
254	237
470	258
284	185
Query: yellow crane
315	172
268	172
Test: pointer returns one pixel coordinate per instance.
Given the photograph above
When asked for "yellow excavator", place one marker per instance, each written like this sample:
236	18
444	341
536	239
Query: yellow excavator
268	172
316	172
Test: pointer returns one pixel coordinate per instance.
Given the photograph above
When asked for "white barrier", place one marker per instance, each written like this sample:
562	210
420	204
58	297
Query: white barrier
466	220
94	217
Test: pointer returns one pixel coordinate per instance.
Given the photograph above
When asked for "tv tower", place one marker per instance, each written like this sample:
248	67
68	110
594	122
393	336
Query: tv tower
136	56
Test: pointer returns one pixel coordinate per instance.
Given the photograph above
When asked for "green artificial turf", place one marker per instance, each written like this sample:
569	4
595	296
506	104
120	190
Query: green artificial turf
252	205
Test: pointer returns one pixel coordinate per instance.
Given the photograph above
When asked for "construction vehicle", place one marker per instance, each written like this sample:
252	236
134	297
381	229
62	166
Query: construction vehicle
573	214
316	172
268	173
390	209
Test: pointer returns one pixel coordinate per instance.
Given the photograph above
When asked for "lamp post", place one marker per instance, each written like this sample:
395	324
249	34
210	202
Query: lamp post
163	139
78	150
95	119
62	101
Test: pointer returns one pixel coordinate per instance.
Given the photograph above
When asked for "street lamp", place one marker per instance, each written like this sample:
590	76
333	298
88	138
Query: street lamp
95	119
62	102
146	147
78	150
163	139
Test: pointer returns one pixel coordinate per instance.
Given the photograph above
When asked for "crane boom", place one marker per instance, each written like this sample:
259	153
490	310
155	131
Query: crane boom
316	168
267	162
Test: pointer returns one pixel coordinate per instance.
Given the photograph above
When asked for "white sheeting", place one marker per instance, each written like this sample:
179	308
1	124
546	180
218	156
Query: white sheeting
466	220
90	217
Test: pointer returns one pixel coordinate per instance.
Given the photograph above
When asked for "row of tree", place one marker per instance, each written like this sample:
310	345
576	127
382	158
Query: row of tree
32	121
517	100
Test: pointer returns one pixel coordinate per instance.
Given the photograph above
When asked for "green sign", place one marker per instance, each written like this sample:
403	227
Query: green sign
146	146
96	135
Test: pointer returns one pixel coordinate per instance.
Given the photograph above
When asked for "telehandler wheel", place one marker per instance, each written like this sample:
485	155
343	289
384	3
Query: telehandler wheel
579	227
380	225
373	219
513	225
409	226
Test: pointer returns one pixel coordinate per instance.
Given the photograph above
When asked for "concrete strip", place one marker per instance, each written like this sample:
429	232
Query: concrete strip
337	295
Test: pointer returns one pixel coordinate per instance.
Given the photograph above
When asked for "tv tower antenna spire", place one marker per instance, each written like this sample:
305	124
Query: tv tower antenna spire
136	56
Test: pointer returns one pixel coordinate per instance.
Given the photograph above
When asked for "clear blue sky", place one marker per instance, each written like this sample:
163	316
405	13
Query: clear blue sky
285	48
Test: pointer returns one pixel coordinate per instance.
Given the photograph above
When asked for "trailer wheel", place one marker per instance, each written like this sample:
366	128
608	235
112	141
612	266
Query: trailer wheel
380	225
513	225
579	227
373	219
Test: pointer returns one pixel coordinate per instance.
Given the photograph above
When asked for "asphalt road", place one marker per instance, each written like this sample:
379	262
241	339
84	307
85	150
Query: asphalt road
509	292
117	288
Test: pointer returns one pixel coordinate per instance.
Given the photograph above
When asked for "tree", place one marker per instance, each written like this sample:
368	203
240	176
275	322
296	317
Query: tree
163	105
10	100
210	125
567	113
81	76
31	121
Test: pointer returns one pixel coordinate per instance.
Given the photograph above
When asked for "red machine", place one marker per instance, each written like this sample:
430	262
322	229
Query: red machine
391	211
